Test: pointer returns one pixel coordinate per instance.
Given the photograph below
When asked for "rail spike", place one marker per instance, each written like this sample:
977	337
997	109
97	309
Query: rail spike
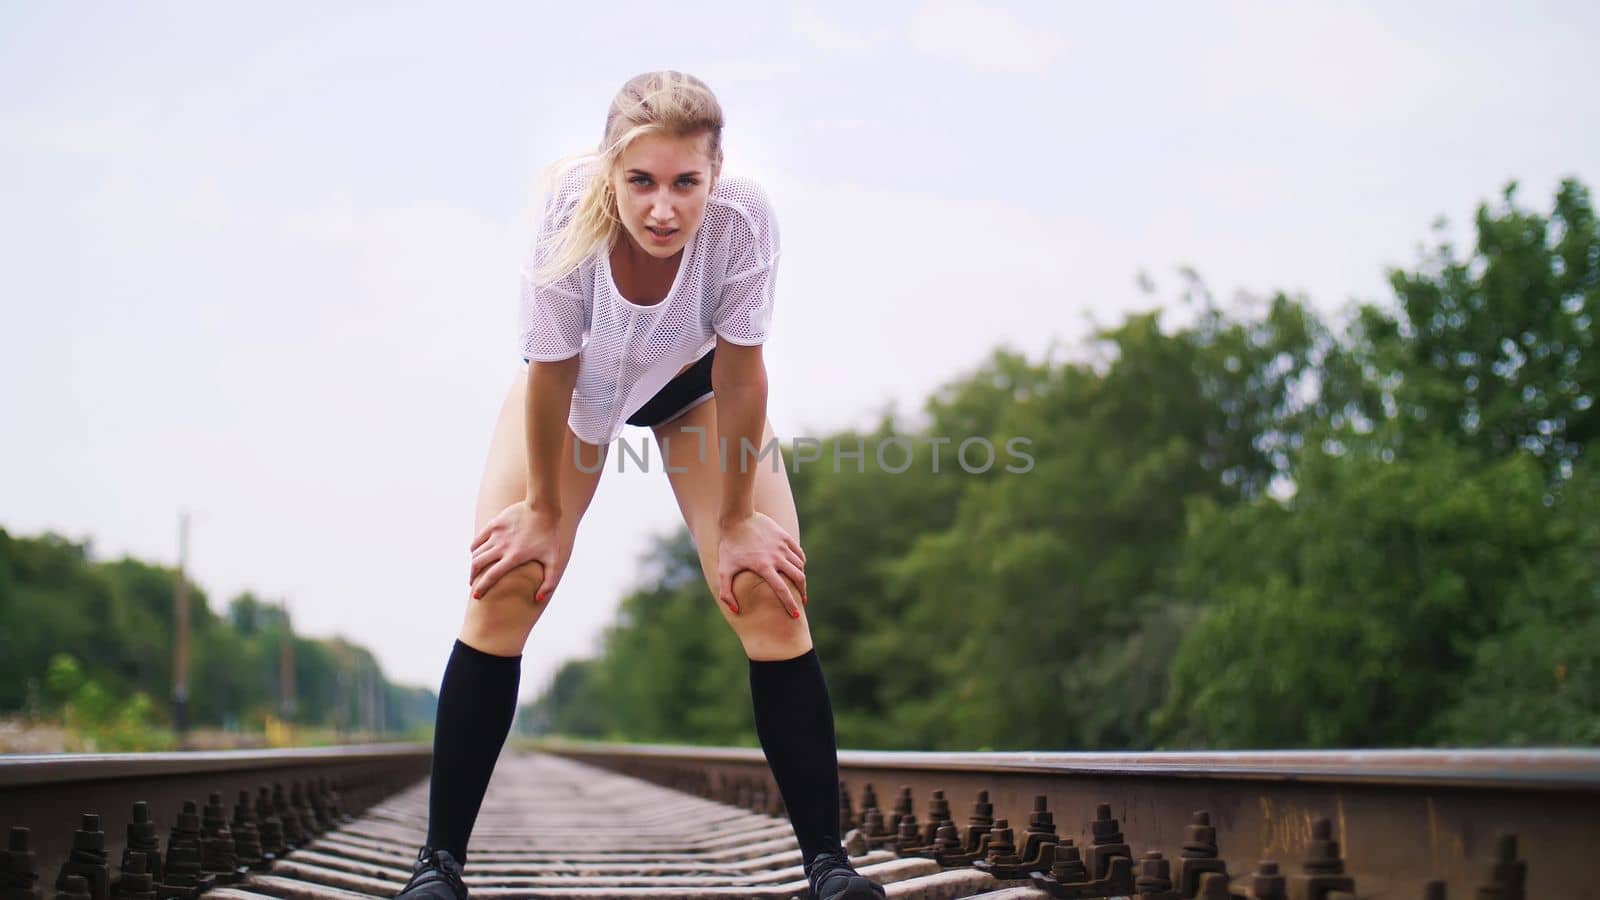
218	851
1108	843
1068	867
1040	833
19	868
72	887
301	809
869	799
908	839
1154	881
1002	860
184	877
938	815
1509	875
903	807
144	838
321	808
1199	855
979	823
1323	870
246	835
874	830
135	882
294	833
274	842
1213	886
87	860
1267	883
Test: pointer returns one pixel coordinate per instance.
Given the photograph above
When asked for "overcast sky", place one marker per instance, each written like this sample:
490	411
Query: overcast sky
261	262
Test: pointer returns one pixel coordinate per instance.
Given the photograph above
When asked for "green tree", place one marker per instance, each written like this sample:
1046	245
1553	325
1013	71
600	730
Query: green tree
106	629
1496	351
1431	539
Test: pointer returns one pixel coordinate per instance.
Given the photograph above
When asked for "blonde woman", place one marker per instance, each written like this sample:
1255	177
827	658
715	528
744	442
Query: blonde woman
646	298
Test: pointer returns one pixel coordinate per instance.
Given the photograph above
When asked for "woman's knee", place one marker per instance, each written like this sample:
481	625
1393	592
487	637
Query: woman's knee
499	621
763	623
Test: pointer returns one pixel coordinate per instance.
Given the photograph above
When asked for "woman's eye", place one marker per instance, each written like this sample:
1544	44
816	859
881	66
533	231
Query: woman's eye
644	181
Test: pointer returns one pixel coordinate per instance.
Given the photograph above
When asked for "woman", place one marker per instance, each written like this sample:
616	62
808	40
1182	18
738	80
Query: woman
646	300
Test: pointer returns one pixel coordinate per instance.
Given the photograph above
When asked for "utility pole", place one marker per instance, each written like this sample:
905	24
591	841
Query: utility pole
286	666
180	636
366	701
373	684
346	704
358	701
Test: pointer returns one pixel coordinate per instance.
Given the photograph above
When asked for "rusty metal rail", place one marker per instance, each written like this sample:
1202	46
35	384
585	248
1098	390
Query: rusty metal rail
80	814
1407	823
578	821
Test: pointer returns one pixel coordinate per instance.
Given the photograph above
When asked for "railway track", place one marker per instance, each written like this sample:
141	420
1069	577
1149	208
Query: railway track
646	821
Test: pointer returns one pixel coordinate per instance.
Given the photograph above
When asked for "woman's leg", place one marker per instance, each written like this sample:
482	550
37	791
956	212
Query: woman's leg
793	713
478	696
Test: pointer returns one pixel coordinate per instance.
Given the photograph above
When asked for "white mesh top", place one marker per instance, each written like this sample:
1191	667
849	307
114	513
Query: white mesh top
627	351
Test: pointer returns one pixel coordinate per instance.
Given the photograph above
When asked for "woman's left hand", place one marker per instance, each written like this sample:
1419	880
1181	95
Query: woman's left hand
761	545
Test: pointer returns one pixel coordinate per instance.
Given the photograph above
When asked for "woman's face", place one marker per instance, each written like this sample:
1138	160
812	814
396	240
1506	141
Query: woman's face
661	184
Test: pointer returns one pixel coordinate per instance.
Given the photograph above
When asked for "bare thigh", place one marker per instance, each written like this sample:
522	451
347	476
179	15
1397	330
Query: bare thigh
762	625
499	623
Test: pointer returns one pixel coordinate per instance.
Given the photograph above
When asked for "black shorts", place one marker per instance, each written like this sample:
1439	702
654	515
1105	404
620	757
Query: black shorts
684	392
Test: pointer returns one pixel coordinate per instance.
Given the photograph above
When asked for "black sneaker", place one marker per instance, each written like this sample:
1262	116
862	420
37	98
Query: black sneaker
832	878
435	876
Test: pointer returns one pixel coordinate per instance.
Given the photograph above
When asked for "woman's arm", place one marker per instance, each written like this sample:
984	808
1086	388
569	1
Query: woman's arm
739	380
550	387
750	540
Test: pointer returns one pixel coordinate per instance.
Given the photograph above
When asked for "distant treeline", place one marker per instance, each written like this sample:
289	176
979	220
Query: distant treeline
88	638
1249	526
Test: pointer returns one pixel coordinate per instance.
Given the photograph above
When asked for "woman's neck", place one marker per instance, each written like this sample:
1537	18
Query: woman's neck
640	277
637	260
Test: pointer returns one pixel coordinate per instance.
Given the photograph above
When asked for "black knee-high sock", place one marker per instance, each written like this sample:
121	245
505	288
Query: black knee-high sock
477	700
794	720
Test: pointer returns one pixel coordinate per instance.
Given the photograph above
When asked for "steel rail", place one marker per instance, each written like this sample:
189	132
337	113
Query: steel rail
51	795
1398	819
1340	824
1559	768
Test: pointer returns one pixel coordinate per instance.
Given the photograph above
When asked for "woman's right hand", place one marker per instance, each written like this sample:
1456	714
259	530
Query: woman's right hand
520	534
